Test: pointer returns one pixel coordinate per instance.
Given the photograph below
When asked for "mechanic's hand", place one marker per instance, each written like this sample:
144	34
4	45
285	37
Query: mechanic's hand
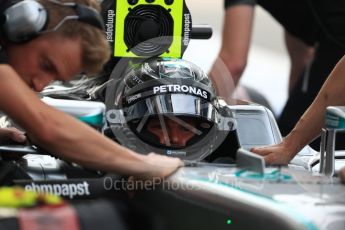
276	154
157	166
12	134
342	175
160	166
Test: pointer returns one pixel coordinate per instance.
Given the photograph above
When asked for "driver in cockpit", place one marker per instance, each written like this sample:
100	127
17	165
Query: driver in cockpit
168	106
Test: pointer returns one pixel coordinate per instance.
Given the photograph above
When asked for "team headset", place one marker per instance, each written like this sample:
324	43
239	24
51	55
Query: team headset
27	19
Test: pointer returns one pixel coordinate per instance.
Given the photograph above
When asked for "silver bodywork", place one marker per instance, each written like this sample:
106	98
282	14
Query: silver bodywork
227	197
207	197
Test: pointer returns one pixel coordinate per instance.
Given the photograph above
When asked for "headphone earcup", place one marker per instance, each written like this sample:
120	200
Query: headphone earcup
28	18
24	20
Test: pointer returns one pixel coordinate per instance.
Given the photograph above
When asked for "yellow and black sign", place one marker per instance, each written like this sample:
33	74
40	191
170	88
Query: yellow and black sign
147	28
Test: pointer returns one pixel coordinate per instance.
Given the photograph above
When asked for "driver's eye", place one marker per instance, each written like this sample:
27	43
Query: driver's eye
47	66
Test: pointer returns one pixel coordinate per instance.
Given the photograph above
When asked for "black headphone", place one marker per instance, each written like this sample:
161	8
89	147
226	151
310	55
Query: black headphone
27	19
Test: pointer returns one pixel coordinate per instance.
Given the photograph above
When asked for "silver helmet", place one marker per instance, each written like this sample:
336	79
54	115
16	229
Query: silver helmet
167	106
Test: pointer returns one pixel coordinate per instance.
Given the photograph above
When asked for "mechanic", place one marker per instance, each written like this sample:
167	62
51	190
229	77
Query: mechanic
310	124
55	40
315	41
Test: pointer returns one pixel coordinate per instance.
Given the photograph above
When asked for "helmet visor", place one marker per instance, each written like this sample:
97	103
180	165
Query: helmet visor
171	120
172	104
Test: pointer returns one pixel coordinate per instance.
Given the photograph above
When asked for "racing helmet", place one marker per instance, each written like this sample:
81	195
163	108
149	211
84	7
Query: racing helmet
167	106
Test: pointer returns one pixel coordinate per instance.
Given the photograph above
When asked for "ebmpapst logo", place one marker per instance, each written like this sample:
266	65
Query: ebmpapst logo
110	26
66	189
187	29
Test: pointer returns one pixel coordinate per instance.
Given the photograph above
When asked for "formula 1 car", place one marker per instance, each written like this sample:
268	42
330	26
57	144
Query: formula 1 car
228	188
203	194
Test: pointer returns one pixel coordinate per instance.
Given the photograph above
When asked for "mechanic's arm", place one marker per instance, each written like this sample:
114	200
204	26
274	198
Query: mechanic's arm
300	56
71	139
310	124
237	31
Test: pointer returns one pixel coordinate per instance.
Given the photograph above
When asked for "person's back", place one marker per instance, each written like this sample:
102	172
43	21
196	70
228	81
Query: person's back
309	25
329	48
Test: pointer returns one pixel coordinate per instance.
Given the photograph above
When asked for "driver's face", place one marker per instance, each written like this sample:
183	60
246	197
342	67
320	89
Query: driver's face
175	133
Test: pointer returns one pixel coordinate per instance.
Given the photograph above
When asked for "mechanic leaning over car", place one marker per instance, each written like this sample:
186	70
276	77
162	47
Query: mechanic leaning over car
43	41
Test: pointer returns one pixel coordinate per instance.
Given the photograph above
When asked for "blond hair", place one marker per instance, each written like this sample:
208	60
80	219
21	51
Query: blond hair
95	47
